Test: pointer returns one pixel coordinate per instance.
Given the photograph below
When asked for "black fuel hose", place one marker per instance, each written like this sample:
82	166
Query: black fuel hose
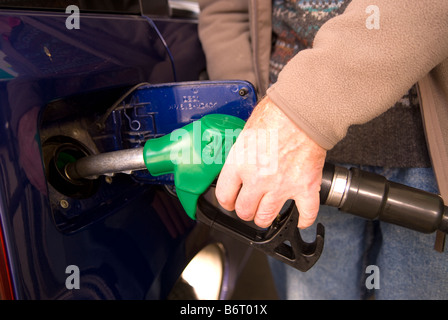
372	196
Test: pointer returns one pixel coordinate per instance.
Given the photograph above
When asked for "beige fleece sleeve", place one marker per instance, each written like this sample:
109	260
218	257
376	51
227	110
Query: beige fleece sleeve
354	73
224	32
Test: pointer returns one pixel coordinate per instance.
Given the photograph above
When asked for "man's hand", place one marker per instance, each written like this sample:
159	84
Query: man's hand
257	190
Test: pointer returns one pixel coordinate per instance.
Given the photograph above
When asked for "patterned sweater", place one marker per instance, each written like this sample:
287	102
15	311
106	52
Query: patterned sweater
379	142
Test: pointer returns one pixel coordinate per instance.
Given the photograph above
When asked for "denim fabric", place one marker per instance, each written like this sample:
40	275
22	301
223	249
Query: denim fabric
409	267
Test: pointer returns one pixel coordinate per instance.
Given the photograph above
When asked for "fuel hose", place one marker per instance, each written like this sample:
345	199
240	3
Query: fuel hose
372	196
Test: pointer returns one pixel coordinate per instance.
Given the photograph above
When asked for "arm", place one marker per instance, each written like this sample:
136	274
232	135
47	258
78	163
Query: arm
351	75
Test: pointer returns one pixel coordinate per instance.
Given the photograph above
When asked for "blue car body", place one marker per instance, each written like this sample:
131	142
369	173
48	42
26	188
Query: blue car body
129	239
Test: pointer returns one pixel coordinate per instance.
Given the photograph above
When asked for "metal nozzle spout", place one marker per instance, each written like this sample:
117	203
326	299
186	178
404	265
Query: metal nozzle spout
90	167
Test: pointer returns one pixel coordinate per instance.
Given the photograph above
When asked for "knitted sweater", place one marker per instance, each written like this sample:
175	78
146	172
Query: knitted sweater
380	142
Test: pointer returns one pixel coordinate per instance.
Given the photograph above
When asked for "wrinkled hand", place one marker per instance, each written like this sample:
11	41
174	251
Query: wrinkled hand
256	183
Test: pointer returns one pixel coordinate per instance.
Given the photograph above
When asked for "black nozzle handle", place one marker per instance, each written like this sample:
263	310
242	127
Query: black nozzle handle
372	196
282	240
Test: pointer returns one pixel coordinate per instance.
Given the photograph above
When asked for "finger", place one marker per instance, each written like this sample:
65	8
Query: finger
227	187
268	209
247	202
308	209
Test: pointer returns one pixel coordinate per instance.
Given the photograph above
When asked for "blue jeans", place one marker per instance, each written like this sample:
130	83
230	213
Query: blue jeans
409	267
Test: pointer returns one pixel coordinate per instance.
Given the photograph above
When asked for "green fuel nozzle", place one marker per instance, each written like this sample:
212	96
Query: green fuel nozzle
194	154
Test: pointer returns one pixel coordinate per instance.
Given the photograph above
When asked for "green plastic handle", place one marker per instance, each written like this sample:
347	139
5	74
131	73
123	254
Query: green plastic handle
195	154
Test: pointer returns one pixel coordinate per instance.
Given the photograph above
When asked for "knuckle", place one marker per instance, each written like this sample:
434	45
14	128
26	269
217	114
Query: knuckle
268	209
225	202
243	212
264	219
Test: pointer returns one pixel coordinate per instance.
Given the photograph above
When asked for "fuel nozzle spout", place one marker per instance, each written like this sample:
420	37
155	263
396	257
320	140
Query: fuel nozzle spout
121	161
194	154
